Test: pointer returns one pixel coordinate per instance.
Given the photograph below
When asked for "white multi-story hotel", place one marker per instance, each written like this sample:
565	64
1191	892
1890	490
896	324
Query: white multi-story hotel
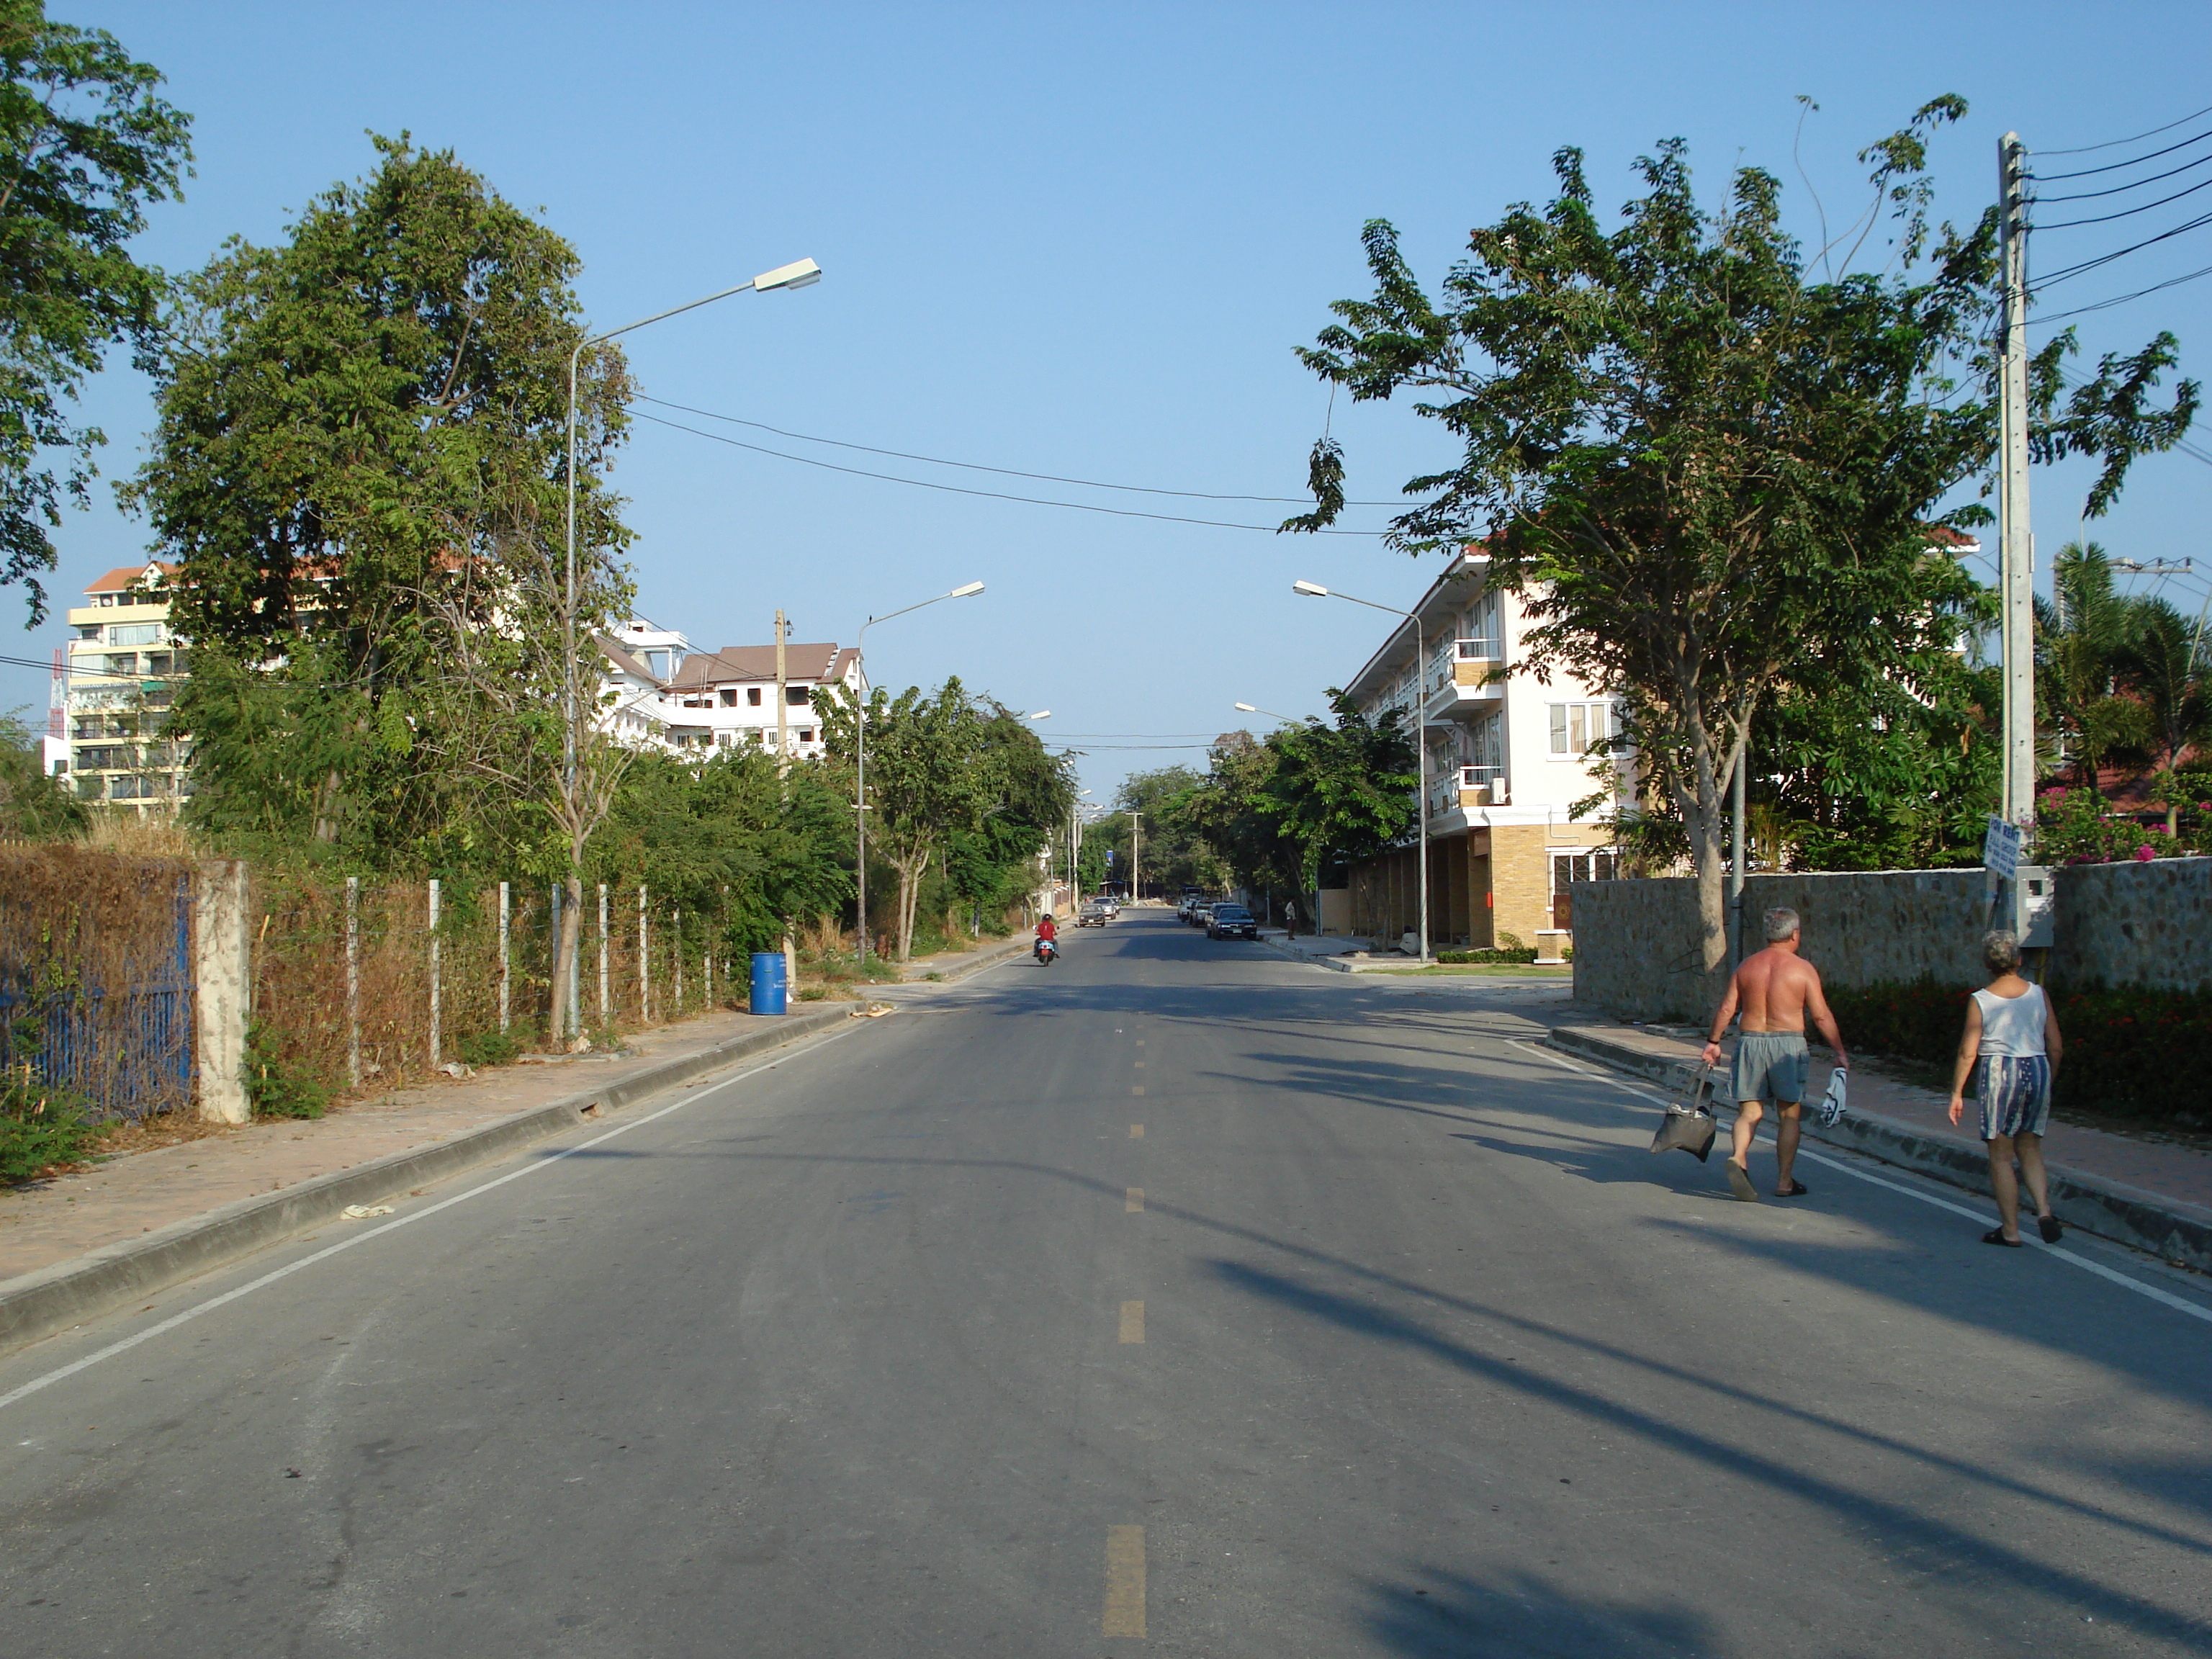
116	678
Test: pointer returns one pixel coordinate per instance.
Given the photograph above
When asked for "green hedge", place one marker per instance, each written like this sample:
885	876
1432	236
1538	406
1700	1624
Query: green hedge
2136	1053
1525	954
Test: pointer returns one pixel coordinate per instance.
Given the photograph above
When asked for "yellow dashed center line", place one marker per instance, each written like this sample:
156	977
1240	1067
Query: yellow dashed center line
1136	1132
1132	1322
1134	1200
1125	1582
1136	1088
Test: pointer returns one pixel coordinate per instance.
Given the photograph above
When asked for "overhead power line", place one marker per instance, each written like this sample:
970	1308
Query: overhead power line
1003	472
988	494
2068	273
2127	213
2122	299
2114	143
2122	190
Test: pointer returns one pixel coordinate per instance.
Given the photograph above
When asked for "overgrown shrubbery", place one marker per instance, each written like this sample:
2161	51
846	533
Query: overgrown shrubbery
275	1089
40	1125
2141	1053
1525	953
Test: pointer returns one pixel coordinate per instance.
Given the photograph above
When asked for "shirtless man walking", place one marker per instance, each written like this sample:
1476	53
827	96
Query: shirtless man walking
1774	990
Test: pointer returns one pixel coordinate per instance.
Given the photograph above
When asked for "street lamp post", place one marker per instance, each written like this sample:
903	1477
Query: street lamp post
1252	708
803	273
1134	819
860	758
1315	590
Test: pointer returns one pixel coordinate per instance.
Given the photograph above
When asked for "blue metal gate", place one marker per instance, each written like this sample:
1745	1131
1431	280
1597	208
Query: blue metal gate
127	1048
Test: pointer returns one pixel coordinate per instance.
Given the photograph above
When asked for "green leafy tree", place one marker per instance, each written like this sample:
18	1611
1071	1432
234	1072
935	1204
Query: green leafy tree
946	771
33	806
359	465
1170	853
1710	474
1310	798
752	853
1340	794
85	146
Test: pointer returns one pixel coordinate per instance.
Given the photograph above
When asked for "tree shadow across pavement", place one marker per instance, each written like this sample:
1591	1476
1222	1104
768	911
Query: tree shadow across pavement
1440	1615
1906	1531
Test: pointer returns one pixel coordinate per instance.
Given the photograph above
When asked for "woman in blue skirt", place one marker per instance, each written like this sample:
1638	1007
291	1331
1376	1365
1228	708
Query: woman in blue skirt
2013	1035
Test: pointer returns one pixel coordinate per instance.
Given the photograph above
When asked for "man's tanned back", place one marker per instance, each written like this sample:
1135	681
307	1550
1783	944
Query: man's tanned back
1771	989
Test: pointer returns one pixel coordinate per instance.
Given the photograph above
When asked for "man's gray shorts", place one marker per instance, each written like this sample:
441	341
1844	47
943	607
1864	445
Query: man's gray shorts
1769	1066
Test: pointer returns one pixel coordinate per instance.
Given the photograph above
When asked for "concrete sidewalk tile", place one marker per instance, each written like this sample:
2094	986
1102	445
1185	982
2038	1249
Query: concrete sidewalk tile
2145	1194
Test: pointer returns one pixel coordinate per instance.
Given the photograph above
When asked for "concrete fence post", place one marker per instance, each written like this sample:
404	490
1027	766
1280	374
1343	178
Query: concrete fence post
353	980
606	1006
222	975
435	1033
644	965
503	981
676	954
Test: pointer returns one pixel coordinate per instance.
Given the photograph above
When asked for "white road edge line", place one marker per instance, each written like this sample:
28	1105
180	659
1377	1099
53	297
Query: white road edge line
2196	1310
330	1250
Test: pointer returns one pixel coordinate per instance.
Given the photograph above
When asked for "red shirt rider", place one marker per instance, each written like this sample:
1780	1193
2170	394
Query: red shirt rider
1048	930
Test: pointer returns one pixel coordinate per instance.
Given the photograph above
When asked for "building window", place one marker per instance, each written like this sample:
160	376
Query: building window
806	735
795	695
1577	725
1481	636
135	634
753	696
729	696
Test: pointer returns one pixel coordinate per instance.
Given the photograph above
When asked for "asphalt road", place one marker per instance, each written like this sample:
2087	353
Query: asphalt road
1173	1297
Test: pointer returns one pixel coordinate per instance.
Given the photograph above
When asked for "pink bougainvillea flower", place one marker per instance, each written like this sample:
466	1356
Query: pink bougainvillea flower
2144	855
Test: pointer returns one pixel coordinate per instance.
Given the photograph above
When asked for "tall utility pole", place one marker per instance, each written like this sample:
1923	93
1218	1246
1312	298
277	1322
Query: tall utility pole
782	704
1133	818
2017	547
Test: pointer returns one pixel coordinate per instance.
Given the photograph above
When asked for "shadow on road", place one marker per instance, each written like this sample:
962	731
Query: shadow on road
1903	1529
1451	1615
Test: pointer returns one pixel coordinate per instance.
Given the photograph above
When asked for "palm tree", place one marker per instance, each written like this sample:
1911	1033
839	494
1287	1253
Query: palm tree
2082	634
2159	660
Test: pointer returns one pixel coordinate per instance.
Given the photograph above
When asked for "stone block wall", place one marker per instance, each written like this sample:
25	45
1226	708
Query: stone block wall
1636	949
2149	925
2145	924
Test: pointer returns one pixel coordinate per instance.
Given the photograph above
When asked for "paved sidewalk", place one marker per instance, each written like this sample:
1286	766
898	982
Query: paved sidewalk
2155	1194
129	1196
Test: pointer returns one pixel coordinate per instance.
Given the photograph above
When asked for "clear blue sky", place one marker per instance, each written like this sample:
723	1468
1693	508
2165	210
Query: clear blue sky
1083	240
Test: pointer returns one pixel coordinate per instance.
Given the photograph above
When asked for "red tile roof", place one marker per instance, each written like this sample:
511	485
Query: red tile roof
123	577
813	663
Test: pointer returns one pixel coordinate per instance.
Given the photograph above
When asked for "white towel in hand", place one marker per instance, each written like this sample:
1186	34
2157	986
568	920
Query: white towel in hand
1831	1104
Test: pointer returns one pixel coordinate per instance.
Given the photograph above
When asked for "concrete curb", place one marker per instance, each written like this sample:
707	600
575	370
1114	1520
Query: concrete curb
1012	948
38	1304
2164	1227
1335	965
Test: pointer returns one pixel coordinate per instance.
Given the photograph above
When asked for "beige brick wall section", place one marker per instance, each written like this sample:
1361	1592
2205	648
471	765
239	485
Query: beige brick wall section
1520	879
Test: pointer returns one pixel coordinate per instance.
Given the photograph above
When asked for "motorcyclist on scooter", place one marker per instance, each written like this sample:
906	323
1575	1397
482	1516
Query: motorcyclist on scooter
1047	937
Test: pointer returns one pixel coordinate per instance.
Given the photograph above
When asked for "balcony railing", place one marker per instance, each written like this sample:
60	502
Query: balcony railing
1478	650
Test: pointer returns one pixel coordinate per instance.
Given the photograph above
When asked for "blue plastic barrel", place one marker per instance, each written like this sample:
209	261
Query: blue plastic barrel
768	985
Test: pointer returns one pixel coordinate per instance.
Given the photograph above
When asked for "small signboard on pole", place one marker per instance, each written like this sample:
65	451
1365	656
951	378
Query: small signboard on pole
2000	847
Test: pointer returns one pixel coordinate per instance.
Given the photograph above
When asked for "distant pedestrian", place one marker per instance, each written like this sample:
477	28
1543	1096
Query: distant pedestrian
1775	990
1289	918
2013	1034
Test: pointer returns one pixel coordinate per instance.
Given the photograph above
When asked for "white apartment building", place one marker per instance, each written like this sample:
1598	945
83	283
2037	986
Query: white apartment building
119	674
630	700
726	699
1509	757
